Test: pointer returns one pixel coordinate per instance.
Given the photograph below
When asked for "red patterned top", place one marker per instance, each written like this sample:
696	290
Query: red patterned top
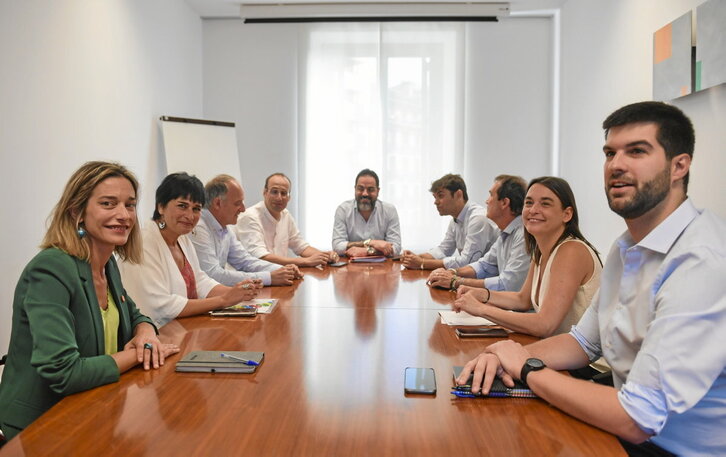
191	283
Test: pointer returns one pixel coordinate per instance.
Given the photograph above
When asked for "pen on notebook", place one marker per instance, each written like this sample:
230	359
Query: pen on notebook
239	359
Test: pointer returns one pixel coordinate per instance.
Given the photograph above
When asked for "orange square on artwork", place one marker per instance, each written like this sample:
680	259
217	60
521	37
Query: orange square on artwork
663	43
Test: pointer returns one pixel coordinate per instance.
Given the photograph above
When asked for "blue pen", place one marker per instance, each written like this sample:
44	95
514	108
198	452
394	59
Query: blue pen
239	359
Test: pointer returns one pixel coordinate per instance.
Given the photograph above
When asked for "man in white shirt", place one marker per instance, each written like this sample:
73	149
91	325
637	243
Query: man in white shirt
366	226
268	231
217	246
660	313
506	264
469	236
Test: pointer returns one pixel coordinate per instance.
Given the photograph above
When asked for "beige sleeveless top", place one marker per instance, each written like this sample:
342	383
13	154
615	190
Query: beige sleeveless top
584	293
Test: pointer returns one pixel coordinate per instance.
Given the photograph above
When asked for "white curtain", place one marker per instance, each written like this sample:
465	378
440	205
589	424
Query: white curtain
384	96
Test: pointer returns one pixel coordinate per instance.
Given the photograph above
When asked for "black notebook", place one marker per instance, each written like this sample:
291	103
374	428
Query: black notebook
498	389
215	362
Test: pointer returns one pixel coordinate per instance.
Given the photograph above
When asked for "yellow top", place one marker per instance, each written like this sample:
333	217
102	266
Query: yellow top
110	325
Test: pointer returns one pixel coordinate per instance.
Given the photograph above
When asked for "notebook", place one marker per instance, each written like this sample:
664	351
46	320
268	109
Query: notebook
213	362
368	259
258	305
498	388
238	310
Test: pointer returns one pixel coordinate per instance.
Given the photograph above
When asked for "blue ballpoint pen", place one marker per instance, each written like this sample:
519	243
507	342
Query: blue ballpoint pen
239	359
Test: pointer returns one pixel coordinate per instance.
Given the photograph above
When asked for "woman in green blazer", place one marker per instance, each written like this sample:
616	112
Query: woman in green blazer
74	327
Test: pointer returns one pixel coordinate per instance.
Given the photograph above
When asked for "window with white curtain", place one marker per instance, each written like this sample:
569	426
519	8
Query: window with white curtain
384	96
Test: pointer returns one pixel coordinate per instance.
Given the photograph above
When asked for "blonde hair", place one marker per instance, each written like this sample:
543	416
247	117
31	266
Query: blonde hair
67	213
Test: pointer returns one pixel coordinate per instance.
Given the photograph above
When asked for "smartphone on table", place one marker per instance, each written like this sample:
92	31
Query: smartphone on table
419	381
481	332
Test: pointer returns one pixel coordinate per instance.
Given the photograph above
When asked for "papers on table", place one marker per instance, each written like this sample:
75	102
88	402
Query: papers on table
263	305
462	318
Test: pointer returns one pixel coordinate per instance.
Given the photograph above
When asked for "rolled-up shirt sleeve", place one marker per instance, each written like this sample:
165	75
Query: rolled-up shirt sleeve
682	354
340	231
393	231
295	240
516	267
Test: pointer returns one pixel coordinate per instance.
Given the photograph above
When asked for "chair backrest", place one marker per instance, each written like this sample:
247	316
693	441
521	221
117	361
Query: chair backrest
2	360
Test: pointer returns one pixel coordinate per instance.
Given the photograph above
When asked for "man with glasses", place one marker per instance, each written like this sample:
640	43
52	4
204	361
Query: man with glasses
365	225
268	231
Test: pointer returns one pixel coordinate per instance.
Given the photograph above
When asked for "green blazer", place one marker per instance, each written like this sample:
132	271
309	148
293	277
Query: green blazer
57	343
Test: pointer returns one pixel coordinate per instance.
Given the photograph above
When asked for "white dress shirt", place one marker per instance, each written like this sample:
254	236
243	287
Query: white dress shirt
217	246
659	320
468	237
506	264
157	284
261	234
382	224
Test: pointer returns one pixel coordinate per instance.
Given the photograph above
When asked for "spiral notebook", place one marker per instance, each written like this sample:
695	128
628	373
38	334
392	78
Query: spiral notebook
214	362
498	389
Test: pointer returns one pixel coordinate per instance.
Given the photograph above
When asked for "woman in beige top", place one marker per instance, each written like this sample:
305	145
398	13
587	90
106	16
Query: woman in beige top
564	272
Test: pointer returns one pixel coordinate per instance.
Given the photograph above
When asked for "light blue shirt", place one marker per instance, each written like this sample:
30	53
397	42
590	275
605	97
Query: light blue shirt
506	264
659	320
468	237
216	246
382	224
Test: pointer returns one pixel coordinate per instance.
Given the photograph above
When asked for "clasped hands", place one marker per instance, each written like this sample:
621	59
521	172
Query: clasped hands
382	247
412	261
319	259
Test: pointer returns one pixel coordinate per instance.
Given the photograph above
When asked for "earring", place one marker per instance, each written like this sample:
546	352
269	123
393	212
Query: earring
161	224
81	230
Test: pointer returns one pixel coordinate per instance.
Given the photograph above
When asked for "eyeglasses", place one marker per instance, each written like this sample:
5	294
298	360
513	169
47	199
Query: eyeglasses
361	189
280	193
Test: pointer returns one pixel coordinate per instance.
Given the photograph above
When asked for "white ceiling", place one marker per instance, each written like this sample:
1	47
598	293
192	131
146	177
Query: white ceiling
230	8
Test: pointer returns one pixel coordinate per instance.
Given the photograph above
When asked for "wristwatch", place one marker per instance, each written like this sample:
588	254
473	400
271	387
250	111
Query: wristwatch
371	250
367	243
530	365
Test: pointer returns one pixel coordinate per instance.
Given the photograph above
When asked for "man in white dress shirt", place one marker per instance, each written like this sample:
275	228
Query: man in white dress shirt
365	225
217	246
268	231
469	236
659	317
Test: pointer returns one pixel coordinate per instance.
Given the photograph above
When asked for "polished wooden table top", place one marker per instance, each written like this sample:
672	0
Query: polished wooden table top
331	384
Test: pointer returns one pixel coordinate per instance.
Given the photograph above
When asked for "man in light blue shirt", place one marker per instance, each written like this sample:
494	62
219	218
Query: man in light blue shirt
365	225
469	236
506	263
217	245
660	315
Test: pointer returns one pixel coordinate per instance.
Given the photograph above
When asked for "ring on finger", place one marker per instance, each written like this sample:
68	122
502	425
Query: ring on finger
148	346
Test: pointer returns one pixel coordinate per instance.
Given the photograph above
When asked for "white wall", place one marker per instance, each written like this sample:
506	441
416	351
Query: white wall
250	77
508	101
85	80
607	63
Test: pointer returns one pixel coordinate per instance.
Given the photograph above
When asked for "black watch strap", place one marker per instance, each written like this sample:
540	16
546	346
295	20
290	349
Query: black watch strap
529	366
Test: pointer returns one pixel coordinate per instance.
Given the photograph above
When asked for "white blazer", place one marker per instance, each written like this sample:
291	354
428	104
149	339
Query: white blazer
156	284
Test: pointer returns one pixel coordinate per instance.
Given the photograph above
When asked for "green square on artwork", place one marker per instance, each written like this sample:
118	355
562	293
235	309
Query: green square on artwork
697	77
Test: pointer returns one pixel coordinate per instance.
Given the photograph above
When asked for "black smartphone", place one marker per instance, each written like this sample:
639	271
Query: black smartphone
481	332
338	264
419	381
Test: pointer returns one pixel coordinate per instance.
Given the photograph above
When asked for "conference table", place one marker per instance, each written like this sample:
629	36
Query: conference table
331	384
